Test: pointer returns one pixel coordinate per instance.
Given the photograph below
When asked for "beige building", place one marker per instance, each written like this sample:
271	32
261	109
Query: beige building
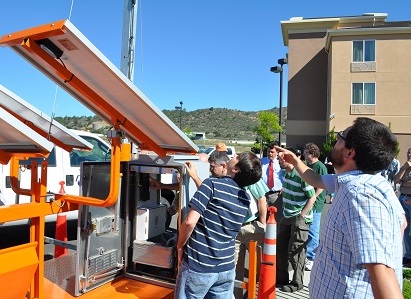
340	68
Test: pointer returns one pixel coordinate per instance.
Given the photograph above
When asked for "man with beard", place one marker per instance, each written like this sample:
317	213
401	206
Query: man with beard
360	250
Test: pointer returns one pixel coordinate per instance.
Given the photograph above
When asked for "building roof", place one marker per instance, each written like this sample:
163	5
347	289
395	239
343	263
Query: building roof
391	24
323	24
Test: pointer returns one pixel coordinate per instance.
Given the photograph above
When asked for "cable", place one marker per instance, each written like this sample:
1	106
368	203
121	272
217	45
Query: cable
71	8
53	113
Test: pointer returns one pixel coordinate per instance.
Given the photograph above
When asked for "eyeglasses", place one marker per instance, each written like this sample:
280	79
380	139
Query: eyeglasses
340	135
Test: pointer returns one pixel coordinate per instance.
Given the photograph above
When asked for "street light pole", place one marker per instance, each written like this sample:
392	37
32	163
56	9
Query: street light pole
279	69
181	110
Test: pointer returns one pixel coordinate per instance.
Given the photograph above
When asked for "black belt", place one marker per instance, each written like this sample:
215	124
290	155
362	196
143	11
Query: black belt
408	195
273	192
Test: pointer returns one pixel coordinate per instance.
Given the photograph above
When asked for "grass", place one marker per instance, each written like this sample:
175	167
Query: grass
406	289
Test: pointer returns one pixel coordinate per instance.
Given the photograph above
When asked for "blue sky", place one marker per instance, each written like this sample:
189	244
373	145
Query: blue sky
206	53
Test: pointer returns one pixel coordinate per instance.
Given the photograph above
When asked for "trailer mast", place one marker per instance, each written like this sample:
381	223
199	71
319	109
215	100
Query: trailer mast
129	38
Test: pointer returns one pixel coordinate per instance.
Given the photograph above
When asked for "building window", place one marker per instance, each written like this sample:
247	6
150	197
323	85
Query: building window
363	50
363	94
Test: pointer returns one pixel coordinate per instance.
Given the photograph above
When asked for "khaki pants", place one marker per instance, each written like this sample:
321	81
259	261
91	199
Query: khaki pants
292	236
254	231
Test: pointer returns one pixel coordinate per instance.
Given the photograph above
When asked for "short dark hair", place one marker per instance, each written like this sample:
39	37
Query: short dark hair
272	144
250	169
312	149
374	144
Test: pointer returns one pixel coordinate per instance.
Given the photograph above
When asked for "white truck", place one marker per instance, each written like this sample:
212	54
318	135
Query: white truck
230	151
63	173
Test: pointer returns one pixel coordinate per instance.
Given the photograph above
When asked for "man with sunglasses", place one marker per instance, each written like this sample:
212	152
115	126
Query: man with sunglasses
360	249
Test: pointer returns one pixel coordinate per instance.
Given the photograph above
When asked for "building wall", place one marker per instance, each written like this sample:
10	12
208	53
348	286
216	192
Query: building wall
307	89
320	81
392	76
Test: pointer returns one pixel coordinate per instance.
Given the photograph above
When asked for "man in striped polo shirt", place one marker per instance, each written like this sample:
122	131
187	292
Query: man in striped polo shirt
292	234
206	238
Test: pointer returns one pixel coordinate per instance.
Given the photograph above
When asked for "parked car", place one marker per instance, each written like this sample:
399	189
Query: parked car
230	151
201	149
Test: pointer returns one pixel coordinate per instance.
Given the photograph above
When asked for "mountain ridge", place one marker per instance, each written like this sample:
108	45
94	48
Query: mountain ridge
216	123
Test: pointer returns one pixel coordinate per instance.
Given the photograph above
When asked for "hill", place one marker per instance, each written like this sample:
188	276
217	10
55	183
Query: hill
217	123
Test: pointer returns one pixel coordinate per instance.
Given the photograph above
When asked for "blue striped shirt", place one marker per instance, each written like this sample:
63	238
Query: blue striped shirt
222	206
363	226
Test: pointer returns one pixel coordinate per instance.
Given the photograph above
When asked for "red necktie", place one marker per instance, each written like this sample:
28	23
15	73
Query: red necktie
271	175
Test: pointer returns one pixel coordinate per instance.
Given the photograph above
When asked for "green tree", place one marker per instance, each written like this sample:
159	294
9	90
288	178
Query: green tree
329	144
190	134
268	125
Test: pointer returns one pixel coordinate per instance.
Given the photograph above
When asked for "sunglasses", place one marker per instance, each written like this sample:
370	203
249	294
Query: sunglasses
341	136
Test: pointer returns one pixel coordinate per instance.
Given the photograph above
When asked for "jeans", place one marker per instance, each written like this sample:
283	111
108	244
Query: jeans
407	237
192	284
313	235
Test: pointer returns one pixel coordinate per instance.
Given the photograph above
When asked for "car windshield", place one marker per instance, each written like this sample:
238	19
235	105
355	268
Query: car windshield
100	152
209	150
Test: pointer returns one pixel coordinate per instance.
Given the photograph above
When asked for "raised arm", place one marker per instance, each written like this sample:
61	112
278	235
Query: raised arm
306	173
401	172
192	172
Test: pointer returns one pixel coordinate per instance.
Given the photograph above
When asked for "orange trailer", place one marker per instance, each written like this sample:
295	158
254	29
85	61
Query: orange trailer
125	244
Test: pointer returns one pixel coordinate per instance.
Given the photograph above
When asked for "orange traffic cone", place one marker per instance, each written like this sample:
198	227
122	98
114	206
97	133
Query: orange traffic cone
61	235
266	287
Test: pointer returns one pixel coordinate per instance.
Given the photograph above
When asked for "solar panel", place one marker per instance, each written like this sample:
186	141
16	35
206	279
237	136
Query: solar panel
18	138
68	58
40	122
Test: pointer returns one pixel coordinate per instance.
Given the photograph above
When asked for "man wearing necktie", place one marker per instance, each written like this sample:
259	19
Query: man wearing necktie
272	177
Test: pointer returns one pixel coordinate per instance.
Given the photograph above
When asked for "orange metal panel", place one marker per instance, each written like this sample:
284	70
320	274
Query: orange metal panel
22	211
123	288
18	265
40	32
